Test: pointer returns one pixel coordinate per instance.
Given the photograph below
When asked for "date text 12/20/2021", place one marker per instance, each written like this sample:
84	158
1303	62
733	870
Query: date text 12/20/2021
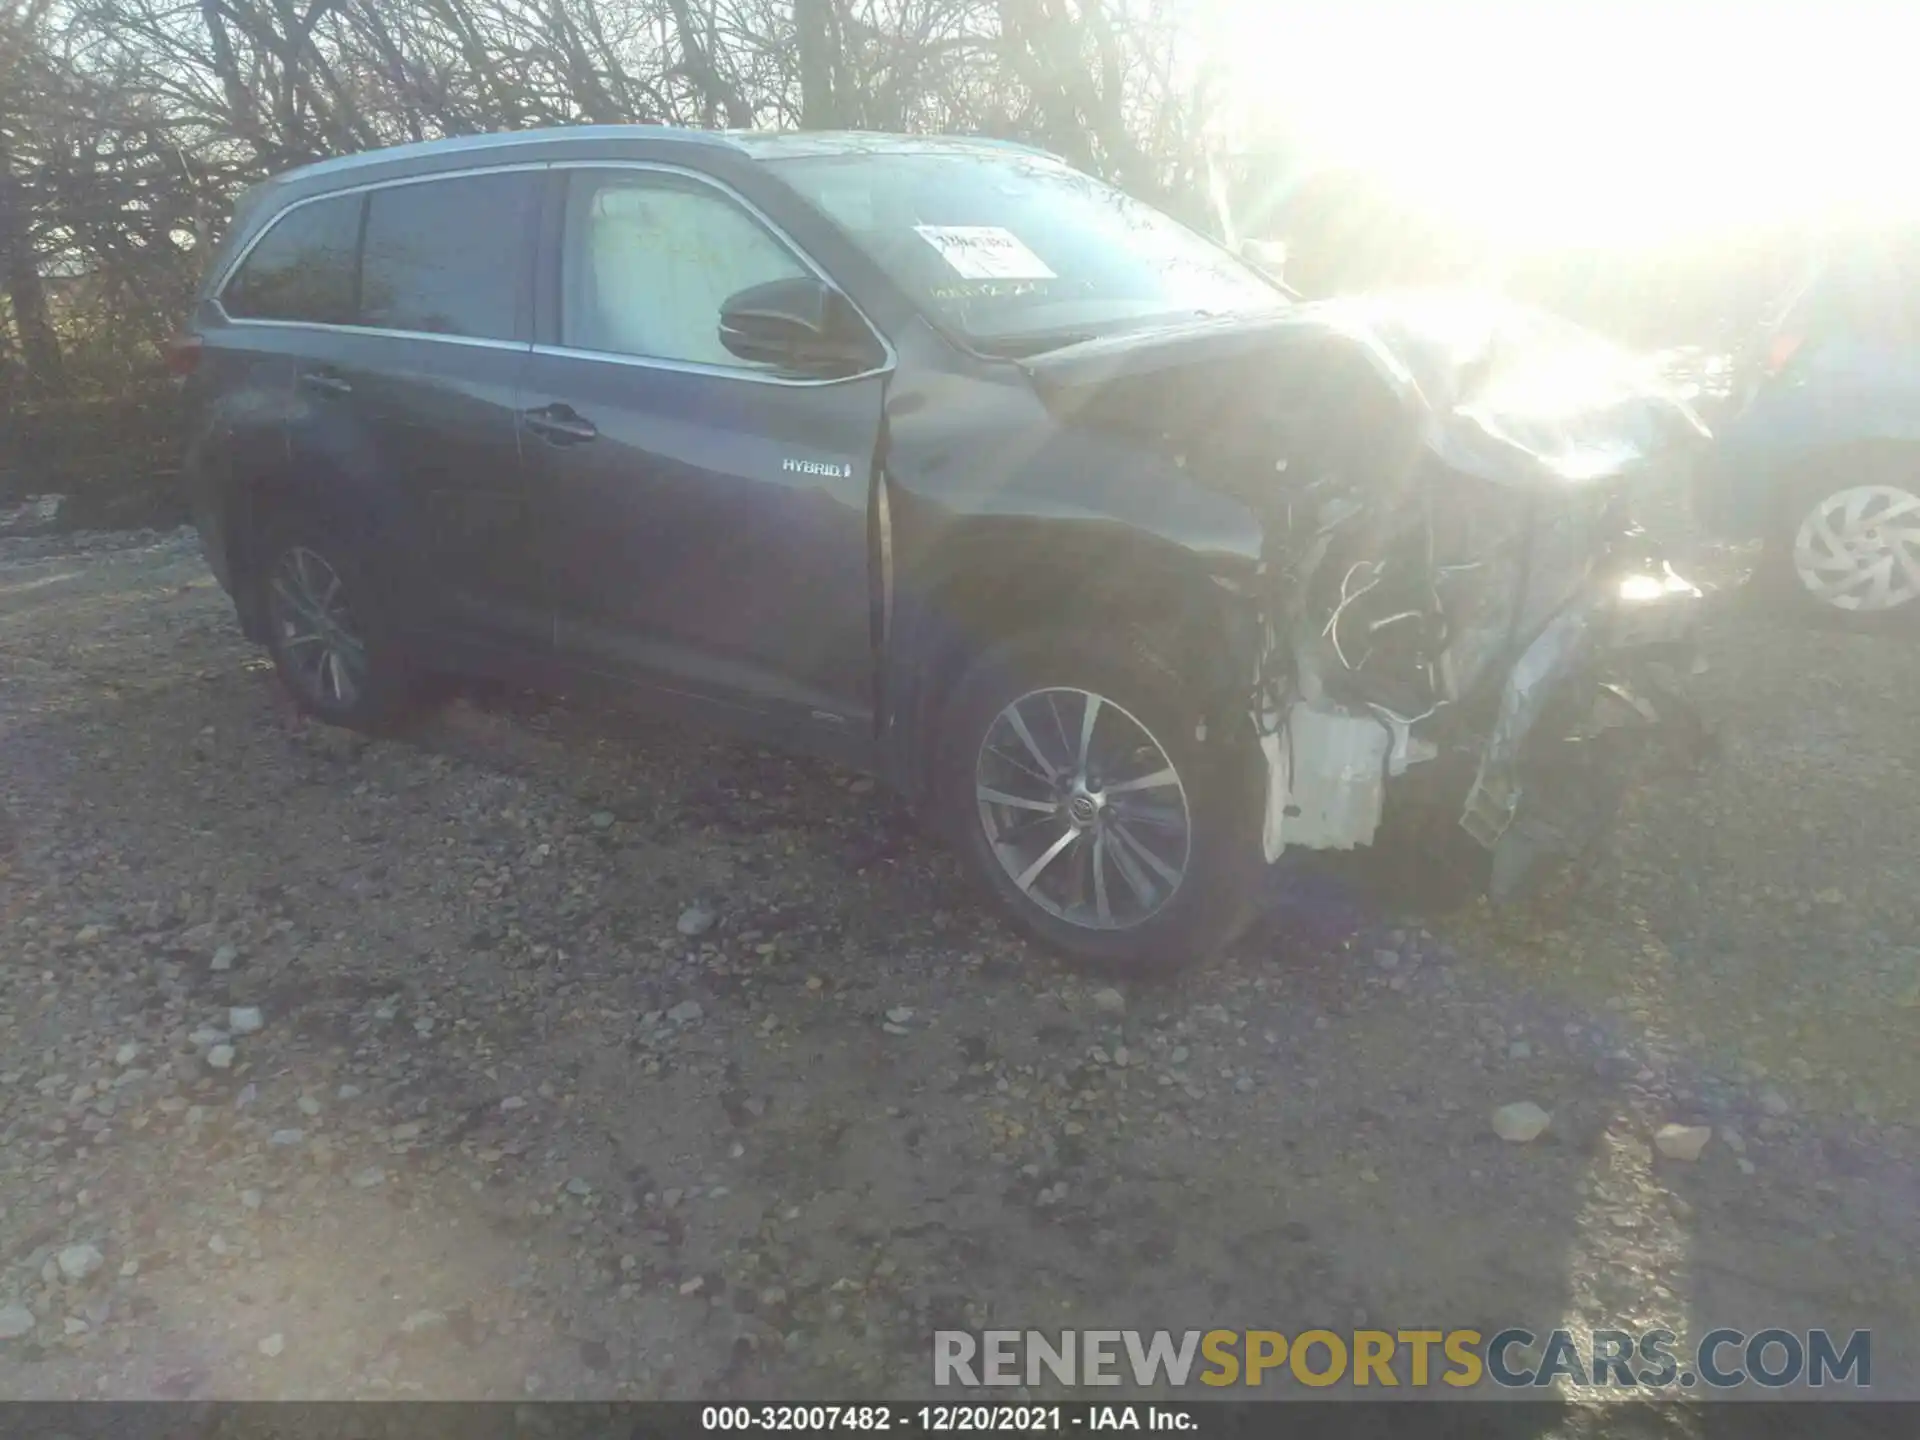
945	1419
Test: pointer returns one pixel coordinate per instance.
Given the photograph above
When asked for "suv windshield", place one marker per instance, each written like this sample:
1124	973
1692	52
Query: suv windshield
1018	253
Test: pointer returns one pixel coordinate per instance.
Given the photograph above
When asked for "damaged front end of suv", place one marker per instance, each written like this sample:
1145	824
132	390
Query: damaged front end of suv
1459	615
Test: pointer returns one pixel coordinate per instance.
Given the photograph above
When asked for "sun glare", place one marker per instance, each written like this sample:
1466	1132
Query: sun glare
1587	123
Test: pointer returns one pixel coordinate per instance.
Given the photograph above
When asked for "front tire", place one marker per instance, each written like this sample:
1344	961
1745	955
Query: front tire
327	632
1847	543
1073	780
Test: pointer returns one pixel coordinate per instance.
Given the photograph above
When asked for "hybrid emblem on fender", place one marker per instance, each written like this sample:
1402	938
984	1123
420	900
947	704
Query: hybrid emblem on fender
834	469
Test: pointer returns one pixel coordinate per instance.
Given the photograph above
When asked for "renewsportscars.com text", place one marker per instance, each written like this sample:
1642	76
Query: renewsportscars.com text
1511	1358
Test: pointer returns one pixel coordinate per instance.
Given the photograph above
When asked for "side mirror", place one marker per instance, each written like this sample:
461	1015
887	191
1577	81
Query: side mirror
800	324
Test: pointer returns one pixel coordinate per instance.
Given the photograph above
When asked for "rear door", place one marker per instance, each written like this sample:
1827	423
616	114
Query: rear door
407	410
704	520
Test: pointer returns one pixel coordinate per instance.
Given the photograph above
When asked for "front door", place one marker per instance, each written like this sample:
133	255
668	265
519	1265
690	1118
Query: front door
704	522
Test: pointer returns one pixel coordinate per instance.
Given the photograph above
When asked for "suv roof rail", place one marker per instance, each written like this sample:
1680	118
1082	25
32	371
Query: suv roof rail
509	140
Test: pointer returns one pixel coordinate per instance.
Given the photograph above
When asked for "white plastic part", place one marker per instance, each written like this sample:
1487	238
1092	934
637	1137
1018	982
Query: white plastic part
1273	824
1326	780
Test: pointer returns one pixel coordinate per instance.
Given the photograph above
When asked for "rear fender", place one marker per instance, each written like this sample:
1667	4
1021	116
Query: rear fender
333	477
237	447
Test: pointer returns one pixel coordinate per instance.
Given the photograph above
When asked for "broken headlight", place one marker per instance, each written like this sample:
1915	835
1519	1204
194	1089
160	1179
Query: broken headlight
1653	607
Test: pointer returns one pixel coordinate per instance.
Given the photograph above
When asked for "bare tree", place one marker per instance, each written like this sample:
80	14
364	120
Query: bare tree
128	127
25	94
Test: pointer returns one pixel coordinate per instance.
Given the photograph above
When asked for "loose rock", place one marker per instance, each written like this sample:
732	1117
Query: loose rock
220	1057
423	1321
1520	1122
77	1262
686	1012
245	1019
695	920
273	1345
1109	1001
15	1321
1682	1142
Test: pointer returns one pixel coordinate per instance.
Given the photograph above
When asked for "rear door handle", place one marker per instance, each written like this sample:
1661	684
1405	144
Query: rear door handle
560	424
326	383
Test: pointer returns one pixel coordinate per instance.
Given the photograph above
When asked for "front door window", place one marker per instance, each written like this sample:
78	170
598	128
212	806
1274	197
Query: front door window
649	261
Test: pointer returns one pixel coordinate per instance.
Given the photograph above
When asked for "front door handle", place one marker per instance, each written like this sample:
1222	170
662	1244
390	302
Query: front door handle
559	424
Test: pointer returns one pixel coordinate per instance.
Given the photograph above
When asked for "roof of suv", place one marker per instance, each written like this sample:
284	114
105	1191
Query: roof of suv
754	144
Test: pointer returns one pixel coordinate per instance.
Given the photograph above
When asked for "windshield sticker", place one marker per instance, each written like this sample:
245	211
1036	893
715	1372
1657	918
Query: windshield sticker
985	252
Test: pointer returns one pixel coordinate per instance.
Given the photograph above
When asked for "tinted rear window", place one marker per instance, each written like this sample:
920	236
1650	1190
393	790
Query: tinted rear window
303	267
449	257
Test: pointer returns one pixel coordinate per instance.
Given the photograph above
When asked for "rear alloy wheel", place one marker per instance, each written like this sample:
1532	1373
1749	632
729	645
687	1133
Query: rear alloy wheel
1074	779
323	628
315	630
1857	550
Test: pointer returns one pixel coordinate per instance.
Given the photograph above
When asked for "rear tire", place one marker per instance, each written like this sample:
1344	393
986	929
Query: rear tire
1127	844
327	631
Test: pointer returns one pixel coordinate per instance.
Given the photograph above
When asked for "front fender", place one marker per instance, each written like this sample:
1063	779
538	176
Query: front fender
1039	523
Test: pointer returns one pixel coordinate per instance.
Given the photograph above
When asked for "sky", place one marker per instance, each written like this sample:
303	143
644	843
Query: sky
1623	123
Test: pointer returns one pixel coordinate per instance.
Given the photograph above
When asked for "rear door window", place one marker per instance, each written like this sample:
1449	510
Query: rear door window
302	269
450	257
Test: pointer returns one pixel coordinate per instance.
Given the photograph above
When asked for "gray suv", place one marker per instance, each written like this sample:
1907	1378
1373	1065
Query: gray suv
938	459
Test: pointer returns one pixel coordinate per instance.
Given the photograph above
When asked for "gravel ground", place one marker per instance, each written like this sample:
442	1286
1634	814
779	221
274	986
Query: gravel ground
349	1069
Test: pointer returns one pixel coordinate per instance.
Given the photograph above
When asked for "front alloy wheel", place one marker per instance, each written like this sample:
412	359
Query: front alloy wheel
1858	549
1084	809
1077	779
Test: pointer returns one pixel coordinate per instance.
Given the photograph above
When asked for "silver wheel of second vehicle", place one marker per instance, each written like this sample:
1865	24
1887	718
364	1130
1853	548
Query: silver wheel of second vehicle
324	653
1084	809
1859	549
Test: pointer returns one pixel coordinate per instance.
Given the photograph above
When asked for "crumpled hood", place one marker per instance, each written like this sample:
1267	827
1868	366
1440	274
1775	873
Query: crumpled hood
1497	389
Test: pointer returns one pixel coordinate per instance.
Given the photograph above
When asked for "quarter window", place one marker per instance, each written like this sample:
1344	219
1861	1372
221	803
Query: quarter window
650	259
448	257
303	267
